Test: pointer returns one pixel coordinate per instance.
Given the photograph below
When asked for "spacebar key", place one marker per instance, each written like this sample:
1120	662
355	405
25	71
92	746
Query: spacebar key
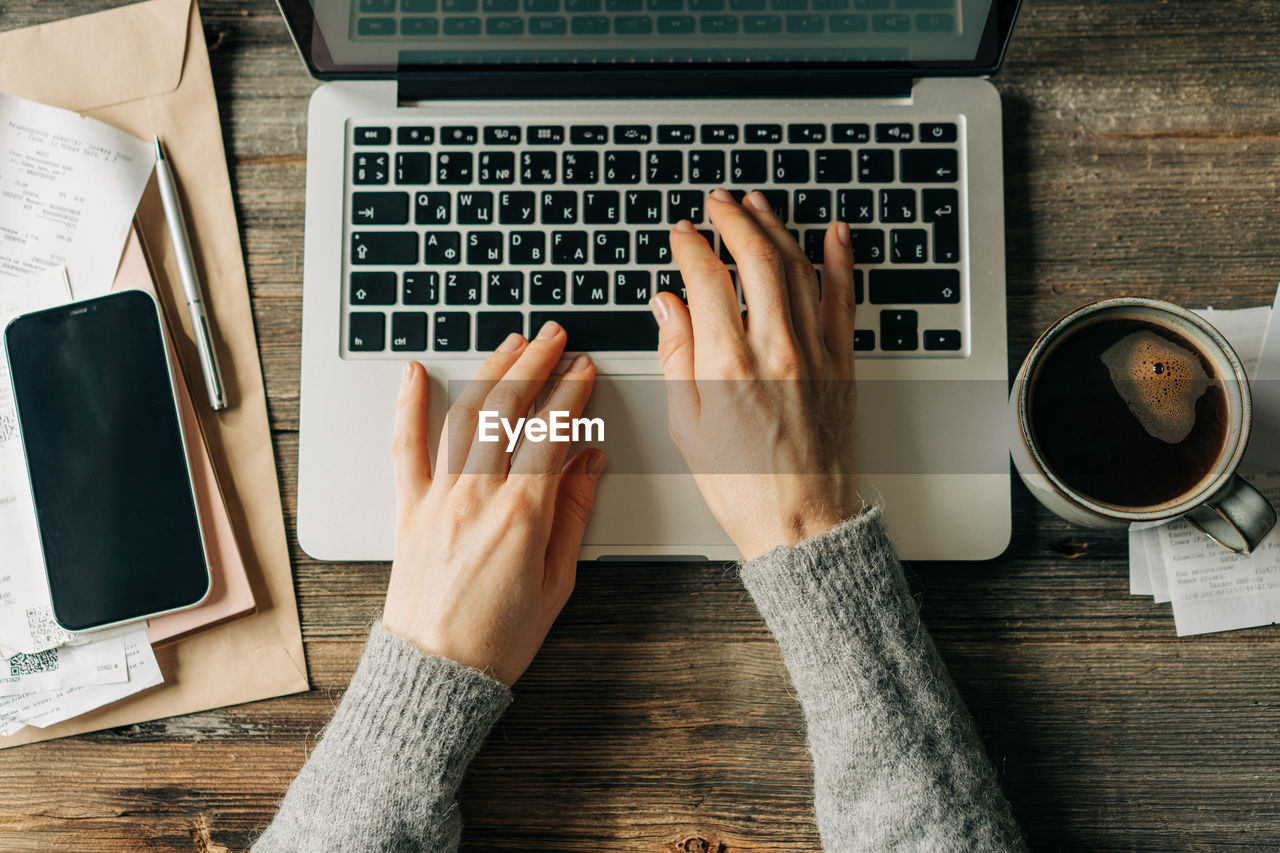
914	287
602	330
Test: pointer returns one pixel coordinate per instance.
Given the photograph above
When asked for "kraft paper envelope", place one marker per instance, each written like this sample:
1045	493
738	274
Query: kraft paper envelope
144	69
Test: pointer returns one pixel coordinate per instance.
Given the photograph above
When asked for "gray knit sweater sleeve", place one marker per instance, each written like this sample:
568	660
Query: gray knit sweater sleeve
897	762
386	772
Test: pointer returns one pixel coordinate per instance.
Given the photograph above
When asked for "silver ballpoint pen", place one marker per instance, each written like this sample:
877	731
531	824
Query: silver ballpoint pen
190	281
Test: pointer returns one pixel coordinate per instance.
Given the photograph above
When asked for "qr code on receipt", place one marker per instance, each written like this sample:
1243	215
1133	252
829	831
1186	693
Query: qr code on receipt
45	633
32	664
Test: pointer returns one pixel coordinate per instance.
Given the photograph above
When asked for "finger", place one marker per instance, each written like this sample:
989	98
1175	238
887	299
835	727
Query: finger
569	395
511	398
409	440
676	351
713	304
801	280
838	294
760	268
574	500
460	421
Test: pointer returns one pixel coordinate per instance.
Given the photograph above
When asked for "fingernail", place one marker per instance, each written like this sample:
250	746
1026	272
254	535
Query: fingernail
595	465
512	343
721	194
686	226
548	330
579	363
759	202
659	310
842	233
407	376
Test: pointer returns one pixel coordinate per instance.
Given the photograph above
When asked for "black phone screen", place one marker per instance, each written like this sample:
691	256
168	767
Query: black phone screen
109	476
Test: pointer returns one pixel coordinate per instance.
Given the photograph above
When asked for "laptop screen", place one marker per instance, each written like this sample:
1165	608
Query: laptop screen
364	38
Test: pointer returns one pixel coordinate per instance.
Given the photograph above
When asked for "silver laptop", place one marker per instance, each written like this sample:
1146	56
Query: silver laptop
477	167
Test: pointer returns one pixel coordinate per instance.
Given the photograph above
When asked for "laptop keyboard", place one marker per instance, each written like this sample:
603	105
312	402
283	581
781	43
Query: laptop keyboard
459	234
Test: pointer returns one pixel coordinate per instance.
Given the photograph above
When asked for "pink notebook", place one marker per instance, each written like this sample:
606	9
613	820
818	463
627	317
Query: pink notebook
231	597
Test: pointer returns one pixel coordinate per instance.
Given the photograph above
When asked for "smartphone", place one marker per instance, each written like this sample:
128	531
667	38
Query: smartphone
99	426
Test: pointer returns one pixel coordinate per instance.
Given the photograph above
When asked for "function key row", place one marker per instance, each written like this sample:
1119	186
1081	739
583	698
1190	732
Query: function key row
666	134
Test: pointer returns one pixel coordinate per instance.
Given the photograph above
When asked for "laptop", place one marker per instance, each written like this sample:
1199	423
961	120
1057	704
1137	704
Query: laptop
477	167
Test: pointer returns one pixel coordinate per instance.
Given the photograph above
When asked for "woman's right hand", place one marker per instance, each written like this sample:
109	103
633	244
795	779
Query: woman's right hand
762	408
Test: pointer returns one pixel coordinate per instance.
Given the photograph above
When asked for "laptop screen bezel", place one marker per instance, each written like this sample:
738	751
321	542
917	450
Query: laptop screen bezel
551	79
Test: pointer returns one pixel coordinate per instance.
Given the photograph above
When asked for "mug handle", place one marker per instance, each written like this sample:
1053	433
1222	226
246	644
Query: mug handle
1238	517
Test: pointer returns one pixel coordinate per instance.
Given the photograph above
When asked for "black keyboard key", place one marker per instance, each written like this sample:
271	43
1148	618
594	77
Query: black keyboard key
504	287
805	23
457	134
670	281
891	24
462	288
380	209
590	287
376	27
762	24
706	167
527	247
622	167
779	200
484	248
763	133
855	206
538	167
868	245
633	25
516	208
547	26
560	207
812	206
454	167
582	6
475	207
504	25
907	246
789	5
644	207
747	5
416	135
370	168
419	7
813	240
421	288
542	5
497	167
929	165
935	23
940	132
684	204
805	134
589	25
875	166
863	340
718	134
408	331
600	207
791	167
413	168
589	134
942	339
748	167
894	132
419	27
850	133
373	288
372	136
568	247
547	287
502	135
632	134
432	208
461	27
494	327
366	331
858	290
676	134
610	248
899	342
612	331
452	332
631	287
914	287
665	167
653	247
718	24
393	248
942	208
833	166
897	205
706	5
442	248
580	167
546	134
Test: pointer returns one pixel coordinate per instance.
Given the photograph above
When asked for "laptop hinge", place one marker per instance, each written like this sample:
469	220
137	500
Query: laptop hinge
547	83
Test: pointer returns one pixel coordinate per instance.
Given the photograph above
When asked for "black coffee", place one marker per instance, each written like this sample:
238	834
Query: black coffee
1128	412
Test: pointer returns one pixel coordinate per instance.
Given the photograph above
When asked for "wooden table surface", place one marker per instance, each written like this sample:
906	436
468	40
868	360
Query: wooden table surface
1142	147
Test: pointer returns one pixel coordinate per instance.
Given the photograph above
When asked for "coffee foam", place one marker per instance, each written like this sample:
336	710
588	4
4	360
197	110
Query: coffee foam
1159	381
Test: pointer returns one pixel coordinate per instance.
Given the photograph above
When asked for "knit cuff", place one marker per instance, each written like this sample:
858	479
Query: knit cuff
429	711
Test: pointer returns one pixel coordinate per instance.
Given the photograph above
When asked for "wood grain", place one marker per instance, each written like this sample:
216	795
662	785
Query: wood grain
1142	149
